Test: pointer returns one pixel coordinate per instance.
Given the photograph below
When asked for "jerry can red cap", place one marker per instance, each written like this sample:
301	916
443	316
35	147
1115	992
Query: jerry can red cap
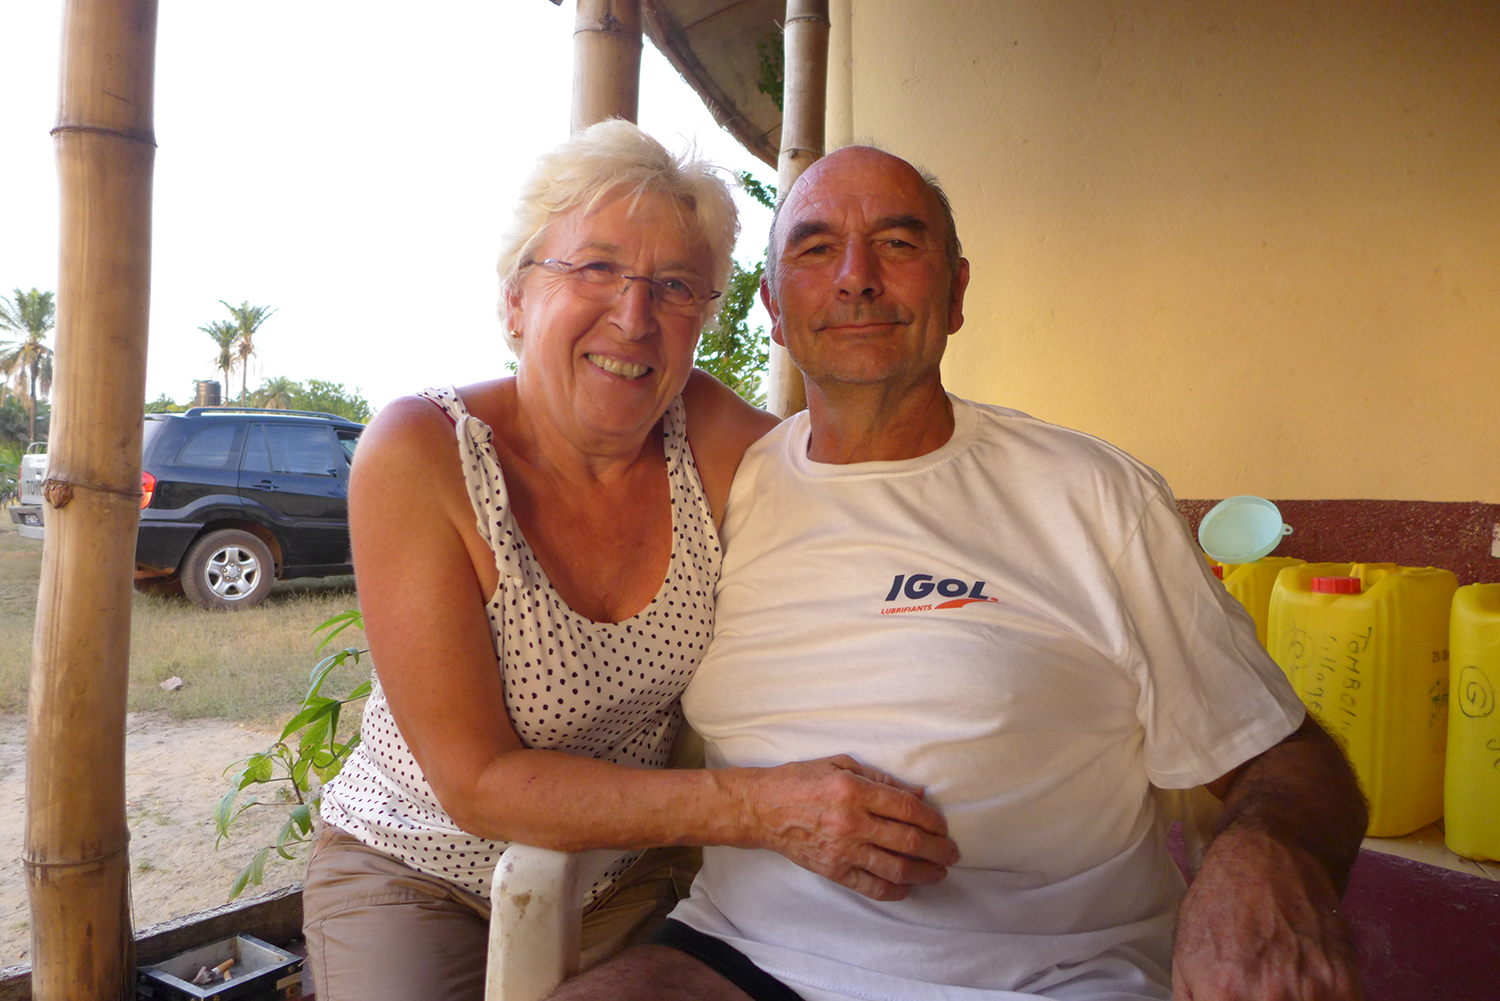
1337	585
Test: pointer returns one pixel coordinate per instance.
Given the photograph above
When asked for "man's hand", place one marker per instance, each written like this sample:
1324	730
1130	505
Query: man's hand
1261	922
853	825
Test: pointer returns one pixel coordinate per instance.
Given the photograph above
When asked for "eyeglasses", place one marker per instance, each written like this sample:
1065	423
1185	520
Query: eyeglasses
606	281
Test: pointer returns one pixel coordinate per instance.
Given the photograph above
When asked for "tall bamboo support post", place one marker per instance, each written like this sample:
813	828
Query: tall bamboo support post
839	120
77	866
805	93
606	61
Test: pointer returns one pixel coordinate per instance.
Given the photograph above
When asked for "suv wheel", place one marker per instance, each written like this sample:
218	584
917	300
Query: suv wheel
228	569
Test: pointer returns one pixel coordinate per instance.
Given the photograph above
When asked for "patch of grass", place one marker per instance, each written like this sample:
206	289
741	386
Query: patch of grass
249	666
20	570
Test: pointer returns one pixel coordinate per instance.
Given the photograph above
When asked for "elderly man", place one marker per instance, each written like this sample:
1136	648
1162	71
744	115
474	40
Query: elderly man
1012	616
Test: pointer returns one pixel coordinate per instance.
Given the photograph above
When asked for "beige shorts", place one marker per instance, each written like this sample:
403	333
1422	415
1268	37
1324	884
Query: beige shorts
379	930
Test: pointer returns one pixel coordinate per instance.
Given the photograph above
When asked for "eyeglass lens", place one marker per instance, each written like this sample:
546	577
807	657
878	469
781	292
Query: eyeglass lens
606	280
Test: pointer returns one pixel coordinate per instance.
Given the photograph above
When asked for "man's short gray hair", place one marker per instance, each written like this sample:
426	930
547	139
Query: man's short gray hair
952	249
610	158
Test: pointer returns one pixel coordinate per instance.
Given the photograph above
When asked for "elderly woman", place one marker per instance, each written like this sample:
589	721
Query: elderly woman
537	558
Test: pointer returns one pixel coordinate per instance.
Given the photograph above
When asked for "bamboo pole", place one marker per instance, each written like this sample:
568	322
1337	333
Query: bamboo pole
805	95
606	61
840	116
77	863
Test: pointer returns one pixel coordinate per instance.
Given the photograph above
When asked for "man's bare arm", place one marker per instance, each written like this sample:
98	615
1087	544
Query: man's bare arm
1261	920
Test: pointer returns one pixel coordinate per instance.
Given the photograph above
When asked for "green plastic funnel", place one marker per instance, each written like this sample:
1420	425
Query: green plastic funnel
1242	529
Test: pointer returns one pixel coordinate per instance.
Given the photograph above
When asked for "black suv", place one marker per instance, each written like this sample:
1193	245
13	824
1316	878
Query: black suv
236	498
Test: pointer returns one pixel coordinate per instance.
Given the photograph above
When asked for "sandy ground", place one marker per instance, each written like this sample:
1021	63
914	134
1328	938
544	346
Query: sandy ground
173	781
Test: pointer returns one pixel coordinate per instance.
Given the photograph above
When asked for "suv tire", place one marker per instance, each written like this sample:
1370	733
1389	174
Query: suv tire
228	570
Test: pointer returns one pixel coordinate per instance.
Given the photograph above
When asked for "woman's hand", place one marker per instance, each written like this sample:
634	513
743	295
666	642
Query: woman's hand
853	825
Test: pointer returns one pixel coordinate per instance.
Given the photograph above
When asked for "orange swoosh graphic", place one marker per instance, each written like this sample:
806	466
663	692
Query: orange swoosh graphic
961	602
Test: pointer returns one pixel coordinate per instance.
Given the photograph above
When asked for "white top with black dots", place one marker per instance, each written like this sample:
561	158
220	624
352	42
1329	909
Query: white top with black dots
606	690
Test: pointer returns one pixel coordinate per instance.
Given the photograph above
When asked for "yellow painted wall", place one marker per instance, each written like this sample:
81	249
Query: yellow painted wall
1255	243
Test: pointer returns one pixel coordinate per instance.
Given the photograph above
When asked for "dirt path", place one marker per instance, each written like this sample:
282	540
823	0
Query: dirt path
173	781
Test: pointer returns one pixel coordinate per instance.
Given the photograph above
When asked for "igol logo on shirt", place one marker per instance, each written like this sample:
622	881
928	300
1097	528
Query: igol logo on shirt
918	586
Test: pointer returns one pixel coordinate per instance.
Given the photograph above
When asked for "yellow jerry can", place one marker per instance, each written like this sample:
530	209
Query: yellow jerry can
1251	584
1366	647
1471	784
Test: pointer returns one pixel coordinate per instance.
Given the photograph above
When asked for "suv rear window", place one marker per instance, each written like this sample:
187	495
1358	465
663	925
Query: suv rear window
149	430
210	448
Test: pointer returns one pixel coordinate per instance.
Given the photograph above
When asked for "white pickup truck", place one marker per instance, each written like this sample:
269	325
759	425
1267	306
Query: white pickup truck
27	513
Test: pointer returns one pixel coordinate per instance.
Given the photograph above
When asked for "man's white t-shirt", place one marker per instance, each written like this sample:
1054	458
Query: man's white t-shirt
1019	623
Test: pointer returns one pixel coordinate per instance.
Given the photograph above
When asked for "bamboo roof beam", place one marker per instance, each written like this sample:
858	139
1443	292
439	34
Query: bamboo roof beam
76	854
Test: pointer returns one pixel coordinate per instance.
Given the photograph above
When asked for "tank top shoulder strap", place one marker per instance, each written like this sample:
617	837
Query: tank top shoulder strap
446	399
674	434
682	470
483	478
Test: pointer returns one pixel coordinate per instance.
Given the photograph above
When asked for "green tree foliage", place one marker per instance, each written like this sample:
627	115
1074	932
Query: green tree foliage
728	351
247	319
164	404
278	393
223	334
15	424
19	427
26	361
762	193
772	82
332	398
10	470
281	393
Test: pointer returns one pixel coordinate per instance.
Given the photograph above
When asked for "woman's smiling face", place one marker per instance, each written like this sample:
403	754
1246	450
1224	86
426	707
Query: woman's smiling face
606	370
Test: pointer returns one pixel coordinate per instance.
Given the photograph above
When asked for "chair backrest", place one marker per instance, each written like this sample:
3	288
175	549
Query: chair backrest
536	919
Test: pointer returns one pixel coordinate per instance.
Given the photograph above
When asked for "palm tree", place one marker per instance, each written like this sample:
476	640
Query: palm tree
247	320
223	334
30	314
277	393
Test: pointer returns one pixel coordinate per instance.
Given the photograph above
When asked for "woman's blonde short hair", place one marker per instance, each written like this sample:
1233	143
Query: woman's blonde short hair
600	161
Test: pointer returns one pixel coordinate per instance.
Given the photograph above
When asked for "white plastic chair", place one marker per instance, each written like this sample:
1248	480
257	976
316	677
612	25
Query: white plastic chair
536	919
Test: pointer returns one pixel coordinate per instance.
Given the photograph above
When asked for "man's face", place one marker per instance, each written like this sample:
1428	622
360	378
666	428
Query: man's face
864	293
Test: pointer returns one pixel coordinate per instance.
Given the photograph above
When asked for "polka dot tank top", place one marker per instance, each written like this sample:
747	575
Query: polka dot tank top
600	689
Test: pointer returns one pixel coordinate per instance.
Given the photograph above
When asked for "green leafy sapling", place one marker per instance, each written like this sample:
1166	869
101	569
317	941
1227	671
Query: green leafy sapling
306	755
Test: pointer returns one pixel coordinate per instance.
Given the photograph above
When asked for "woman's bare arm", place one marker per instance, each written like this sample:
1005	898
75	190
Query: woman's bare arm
425	576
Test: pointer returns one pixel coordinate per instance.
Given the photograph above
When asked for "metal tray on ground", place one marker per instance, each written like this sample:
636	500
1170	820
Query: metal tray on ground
260	972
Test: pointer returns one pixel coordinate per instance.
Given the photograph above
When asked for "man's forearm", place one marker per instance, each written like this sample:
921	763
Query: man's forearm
1303	794
1261	920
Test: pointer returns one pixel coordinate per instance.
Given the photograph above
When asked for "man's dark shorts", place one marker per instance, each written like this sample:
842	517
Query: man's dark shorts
724	959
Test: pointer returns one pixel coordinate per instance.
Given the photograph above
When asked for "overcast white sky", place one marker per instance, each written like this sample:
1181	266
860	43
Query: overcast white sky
350	163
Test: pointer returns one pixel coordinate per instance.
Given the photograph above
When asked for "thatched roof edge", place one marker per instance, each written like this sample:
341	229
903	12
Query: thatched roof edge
750	117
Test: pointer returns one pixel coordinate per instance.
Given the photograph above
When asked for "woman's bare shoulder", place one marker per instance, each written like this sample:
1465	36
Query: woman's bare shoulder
716	410
415	424
720	427
408	503
404	427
